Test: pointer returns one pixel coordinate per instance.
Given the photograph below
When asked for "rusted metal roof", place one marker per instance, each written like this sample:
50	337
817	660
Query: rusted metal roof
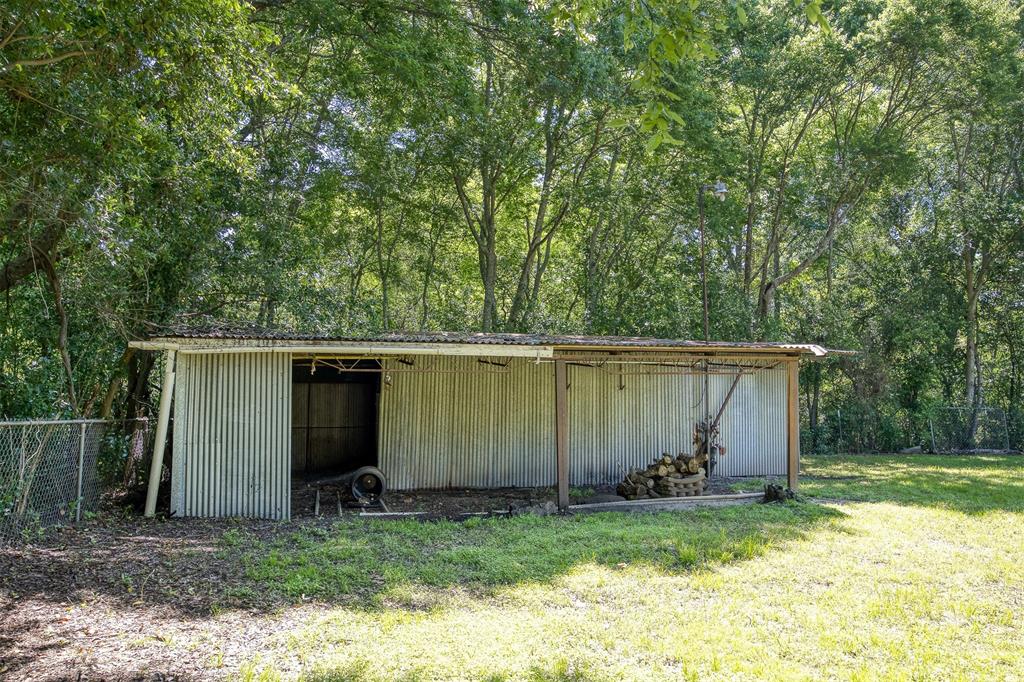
223	335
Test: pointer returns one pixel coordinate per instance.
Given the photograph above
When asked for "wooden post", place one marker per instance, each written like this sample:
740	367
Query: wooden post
793	423
562	433
156	468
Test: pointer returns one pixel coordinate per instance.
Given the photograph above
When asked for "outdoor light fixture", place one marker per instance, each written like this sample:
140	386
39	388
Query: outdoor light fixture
719	190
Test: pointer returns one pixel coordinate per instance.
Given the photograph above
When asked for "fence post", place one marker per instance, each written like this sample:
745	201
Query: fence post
21	459
81	471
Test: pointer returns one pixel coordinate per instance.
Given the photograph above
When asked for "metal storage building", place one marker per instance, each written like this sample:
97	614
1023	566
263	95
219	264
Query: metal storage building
253	410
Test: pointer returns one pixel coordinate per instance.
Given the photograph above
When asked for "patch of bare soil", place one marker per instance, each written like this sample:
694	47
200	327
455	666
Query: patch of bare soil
129	598
430	503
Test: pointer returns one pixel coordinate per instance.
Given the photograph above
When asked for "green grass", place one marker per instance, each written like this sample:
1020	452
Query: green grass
373	561
971	484
920	578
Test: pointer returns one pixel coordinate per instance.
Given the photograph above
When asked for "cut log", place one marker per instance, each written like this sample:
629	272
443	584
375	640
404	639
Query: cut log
681	476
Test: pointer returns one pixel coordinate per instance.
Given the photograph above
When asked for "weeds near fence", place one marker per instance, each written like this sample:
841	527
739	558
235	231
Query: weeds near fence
49	472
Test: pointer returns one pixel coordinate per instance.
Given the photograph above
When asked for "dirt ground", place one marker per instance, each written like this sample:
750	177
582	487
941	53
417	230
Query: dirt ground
121	597
431	503
107	599
456	503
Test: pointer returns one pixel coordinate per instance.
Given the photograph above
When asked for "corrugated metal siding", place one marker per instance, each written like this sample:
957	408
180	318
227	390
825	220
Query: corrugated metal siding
460	425
753	427
232	435
463	424
613	429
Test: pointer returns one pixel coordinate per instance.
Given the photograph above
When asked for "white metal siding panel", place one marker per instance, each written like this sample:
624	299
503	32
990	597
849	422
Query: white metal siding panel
613	429
753	427
232	435
460	423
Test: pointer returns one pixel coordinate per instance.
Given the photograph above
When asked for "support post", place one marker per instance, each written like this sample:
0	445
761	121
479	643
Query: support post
562	433
21	457
793	423
157	465
81	470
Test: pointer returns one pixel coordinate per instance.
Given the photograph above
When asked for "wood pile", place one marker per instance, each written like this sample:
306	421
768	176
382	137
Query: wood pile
667	476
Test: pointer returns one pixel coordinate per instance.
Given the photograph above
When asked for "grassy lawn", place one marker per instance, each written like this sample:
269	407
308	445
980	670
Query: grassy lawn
913	570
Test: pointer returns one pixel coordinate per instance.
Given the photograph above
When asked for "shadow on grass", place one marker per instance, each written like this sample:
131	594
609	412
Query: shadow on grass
971	484
199	567
382	562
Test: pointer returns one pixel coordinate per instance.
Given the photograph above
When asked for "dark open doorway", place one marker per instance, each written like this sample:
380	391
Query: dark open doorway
334	417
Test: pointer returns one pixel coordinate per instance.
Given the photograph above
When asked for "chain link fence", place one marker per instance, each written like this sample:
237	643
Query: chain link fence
859	429
966	429
49	473
864	429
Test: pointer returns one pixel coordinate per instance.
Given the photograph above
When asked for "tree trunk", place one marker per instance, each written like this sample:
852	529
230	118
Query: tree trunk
383	271
106	407
62	333
24	264
970	364
974	282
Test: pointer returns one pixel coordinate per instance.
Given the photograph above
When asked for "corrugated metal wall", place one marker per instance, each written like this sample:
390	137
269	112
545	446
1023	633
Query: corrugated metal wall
617	422
232	435
620	421
753	426
463	424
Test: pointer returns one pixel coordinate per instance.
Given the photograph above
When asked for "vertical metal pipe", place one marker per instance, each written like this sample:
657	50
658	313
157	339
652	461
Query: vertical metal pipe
81	466
703	261
161	433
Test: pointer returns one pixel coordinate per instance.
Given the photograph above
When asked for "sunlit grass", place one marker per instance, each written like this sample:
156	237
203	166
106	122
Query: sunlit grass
912	584
369	560
971	483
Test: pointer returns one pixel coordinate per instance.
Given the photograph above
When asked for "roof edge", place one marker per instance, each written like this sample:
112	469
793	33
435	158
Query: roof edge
213	345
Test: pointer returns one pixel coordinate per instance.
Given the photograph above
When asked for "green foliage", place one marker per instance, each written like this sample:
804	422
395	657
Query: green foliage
523	167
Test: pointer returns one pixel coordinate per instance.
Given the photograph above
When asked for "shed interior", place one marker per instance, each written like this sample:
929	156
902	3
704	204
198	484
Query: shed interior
334	416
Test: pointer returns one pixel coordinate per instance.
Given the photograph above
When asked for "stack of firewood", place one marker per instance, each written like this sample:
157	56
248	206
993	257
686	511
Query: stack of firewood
667	476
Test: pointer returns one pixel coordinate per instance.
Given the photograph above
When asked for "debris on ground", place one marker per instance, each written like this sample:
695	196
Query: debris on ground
778	493
602	498
543	509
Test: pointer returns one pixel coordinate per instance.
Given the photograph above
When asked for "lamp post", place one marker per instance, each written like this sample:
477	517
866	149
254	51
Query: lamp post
718	190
